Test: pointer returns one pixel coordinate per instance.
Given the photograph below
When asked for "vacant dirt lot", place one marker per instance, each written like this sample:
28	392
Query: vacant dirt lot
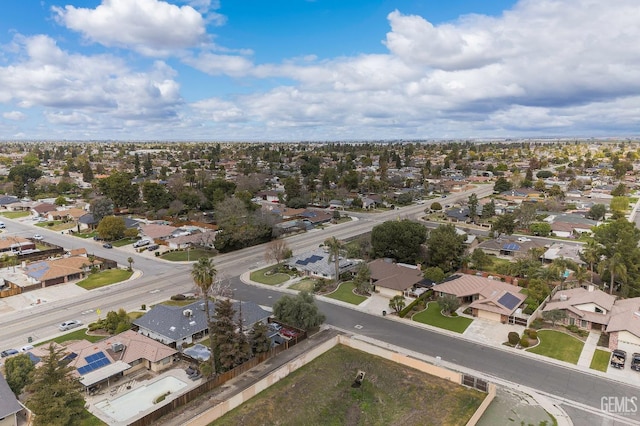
321	393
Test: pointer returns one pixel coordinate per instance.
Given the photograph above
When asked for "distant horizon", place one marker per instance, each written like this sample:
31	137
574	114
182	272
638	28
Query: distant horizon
318	70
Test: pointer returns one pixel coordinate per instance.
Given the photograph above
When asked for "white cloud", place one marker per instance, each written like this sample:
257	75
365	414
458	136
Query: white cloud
14	115
151	27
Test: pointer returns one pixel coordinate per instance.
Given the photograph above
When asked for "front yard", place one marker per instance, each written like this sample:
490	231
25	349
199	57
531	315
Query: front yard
267	276
558	345
104	278
433	316
600	360
345	293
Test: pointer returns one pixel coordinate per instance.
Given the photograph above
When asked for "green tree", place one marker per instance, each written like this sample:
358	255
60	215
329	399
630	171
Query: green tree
335	248
130	261
541	229
119	188
619	191
436	206
259	338
489	210
299	311
501	185
504	224
397	303
619	205
434	273
116	322
560	267
362	279
448	303
445	248
101	207
223	335
621	237
156	196
538	290
18	370
597	212
615	267
590	254
60	201
239	227
111	228
54	395
472	202
554	315
400	240
480	259
525	214
204	274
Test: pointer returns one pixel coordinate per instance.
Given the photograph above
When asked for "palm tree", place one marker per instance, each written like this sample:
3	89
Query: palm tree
335	248
559	266
130	260
580	274
616	267
591	255
204	274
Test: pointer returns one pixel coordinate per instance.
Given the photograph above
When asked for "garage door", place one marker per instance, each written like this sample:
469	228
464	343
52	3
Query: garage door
628	347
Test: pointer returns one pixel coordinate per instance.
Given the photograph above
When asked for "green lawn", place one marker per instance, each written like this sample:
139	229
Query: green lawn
345	293
306	284
103	278
261	276
88	419
600	360
178	302
15	215
558	345
186	255
78	334
434	317
123	242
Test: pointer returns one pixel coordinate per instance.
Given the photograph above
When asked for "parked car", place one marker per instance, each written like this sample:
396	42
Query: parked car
107	245
68	325
618	357
153	247
2	225
26	348
38	237
141	243
8	352
635	362
524	239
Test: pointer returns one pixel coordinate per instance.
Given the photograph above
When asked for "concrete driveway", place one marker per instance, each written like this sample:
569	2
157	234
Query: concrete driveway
488	331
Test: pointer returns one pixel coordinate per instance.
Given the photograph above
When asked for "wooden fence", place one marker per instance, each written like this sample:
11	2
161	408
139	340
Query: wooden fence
213	383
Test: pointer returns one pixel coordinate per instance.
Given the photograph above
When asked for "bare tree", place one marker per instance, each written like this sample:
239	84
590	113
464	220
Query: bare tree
277	250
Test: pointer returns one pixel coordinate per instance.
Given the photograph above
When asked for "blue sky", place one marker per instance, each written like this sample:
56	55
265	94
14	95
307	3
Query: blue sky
296	70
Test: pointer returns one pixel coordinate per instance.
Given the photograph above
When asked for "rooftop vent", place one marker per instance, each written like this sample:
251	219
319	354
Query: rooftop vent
187	313
117	347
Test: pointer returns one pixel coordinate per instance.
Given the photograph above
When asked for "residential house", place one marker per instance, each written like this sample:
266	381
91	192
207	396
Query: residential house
489	299
7	200
178	325
624	325
62	270
72	214
565	251
394	279
196	239
15	244
9	405
43	209
509	247
588	308
317	263
155	231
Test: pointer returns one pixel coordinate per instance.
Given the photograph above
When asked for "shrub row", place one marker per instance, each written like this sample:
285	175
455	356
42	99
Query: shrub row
411	305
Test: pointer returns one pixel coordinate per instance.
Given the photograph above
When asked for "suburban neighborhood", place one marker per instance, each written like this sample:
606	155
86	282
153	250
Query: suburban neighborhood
528	247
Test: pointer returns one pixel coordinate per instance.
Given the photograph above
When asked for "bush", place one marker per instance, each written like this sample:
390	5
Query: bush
572	328
514	338
537	324
143	307
533	334
524	342
419	304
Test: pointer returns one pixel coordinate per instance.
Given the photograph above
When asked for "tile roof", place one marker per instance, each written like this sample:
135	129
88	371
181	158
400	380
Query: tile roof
154	230
62	267
462	285
625	316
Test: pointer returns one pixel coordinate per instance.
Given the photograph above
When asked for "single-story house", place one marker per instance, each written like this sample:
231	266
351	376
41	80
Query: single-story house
61	270
15	244
43	209
196	239
487	298
588	308
316	263
66	214
624	325
392	279
9	405
509	246
565	251
175	325
155	231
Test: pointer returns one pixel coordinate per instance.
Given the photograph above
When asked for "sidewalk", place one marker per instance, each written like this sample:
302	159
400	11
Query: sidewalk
589	350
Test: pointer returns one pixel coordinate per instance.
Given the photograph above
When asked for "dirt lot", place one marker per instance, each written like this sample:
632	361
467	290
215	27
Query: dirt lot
322	393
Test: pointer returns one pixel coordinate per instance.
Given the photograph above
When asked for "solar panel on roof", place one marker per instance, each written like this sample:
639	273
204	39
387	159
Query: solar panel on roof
94	362
511	247
509	301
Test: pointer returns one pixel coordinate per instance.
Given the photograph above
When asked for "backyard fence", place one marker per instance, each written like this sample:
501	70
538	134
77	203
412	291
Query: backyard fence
214	382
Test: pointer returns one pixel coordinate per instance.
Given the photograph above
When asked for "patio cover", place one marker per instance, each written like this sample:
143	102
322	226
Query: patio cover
104	373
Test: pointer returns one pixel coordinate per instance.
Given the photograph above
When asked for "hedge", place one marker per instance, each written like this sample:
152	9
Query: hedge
410	306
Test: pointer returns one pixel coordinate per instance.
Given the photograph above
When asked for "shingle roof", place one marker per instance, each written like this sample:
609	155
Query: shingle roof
625	316
463	285
8	402
392	275
170	321
154	230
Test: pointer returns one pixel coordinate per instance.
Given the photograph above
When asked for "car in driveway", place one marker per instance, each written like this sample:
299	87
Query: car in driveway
68	325
618	357
524	239
635	361
8	352
38	237
107	245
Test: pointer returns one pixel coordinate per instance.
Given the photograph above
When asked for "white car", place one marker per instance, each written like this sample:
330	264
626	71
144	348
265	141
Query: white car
68	325
38	237
524	239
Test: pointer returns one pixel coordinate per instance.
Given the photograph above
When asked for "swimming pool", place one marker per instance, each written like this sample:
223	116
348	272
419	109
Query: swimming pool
138	400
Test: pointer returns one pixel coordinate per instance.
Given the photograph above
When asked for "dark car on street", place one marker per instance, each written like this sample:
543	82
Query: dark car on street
107	245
